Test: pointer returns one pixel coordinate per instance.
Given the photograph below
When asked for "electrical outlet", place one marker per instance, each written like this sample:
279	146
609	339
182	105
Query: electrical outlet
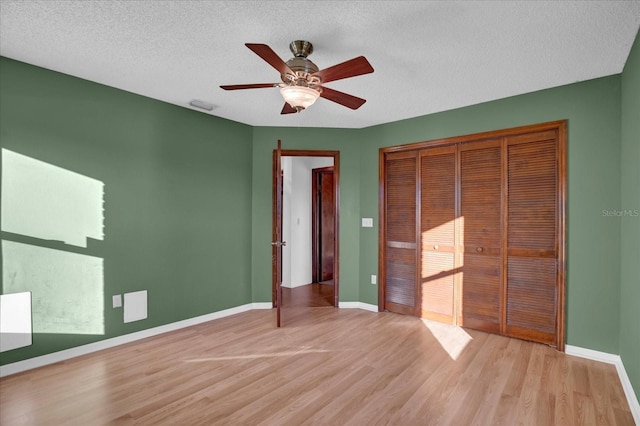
367	222
117	301
374	279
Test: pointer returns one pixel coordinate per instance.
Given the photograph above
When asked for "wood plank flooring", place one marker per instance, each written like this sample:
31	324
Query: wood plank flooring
325	366
313	295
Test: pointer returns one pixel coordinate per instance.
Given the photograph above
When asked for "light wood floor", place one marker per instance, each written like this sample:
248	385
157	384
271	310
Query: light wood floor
325	366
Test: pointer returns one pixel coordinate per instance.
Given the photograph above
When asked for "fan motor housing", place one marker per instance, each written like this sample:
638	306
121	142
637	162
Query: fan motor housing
299	64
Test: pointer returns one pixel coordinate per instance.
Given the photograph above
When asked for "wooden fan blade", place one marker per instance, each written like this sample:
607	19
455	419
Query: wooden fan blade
271	57
248	86
350	68
342	98
288	109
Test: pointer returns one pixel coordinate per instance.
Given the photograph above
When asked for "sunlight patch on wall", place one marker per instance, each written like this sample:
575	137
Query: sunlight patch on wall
44	201
66	287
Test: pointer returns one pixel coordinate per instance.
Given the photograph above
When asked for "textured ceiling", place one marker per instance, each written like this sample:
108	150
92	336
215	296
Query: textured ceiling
428	56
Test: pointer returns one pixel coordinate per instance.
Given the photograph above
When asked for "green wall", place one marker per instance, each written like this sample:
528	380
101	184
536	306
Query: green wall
592	109
188	196
630	254
177	195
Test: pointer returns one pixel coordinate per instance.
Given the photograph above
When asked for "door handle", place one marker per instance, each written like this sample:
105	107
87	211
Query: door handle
279	243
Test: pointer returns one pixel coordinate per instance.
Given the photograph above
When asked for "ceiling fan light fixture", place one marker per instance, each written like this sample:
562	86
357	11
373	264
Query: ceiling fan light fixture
302	81
299	97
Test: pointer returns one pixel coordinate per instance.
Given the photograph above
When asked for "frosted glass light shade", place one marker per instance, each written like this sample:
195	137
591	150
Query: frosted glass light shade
299	97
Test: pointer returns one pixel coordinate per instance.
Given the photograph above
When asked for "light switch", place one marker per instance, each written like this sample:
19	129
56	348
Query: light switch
374	279
367	222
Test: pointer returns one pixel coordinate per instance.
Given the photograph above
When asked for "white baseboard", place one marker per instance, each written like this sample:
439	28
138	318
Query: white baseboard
262	305
28	364
358	305
632	399
591	354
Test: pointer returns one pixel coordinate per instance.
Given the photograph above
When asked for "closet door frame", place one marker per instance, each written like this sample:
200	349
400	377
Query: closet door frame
560	127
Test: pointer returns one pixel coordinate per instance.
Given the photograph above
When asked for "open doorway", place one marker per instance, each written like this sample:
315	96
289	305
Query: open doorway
310	182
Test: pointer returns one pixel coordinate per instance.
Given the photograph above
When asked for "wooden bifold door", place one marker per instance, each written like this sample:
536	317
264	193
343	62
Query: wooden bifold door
472	231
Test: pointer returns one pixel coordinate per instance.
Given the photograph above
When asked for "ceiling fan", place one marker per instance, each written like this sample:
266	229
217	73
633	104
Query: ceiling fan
302	80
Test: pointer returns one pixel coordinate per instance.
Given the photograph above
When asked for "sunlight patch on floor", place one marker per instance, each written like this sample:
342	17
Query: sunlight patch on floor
453	339
301	351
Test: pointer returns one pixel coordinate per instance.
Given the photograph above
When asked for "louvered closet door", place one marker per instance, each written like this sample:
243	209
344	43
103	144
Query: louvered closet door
474	231
532	236
437	233
400	236
480	235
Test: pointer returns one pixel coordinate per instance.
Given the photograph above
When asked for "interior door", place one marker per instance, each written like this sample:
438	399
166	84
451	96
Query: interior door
277	243
281	202
323	224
